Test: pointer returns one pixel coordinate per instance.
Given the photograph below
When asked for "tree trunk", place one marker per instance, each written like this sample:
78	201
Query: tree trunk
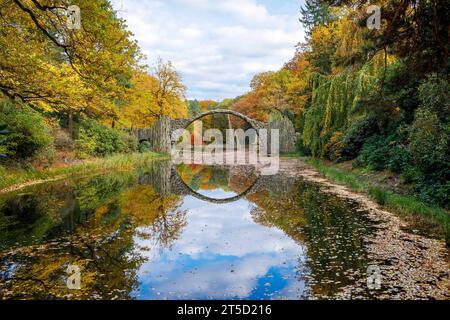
159	135
70	124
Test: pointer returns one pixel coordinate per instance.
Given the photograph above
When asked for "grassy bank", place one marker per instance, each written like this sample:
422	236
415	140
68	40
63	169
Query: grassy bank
15	178
416	212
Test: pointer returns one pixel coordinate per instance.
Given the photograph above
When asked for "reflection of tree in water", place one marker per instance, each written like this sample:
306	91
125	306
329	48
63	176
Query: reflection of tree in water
105	257
227	178
95	224
158	217
91	224
30	218
199	177
331	229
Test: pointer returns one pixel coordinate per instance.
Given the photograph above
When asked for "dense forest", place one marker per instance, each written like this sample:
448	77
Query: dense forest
75	91
378	97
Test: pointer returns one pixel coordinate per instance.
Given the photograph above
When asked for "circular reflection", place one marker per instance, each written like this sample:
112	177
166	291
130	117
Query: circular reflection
219	184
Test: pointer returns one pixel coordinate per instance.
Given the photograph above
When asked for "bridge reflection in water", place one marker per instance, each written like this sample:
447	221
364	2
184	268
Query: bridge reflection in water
145	235
168	178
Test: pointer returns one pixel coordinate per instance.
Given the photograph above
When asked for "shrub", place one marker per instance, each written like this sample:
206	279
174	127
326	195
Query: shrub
432	191
399	160
144	146
62	139
385	152
28	135
374	154
97	140
410	174
355	137
429	137
380	196
2	171
127	142
434	95
429	142
334	147
3	132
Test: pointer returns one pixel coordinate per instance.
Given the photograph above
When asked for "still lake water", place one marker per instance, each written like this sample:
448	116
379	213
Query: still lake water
144	235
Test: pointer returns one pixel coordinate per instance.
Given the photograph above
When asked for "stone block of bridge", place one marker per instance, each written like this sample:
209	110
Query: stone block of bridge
161	135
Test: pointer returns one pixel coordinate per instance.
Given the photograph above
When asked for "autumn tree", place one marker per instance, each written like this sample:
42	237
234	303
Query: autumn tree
416	31
63	69
207	105
167	92
282	91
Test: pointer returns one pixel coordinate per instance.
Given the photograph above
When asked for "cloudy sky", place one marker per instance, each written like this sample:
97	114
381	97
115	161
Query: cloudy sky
217	45
219	255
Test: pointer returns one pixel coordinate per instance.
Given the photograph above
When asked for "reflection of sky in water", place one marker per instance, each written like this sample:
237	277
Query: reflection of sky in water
216	194
222	253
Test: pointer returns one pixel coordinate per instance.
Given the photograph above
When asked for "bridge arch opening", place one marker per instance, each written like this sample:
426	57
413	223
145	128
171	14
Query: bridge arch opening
186	123
180	183
225	112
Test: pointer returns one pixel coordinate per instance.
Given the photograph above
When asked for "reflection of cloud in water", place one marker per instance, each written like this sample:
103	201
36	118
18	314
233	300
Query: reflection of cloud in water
217	194
222	253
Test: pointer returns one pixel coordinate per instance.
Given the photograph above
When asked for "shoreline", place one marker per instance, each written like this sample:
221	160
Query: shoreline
23	179
388	198
416	263
400	253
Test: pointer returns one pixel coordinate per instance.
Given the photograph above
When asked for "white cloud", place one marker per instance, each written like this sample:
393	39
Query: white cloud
218	46
221	253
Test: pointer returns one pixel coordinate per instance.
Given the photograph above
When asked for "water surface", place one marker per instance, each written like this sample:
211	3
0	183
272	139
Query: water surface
168	232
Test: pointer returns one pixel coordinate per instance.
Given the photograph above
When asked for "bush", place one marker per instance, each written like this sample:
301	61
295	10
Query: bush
3	133
385	152
334	148
411	174
2	171
127	142
429	142
374	154
97	140
28	135
432	191
380	196
62	139
434	95
144	146
355	137
429	137
399	160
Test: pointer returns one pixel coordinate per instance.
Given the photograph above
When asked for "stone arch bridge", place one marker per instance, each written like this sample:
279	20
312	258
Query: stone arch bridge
161	134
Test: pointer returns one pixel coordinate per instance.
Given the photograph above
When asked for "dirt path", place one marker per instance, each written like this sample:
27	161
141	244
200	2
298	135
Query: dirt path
412	266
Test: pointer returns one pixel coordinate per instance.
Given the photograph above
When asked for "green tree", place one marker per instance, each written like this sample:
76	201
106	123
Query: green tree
3	133
194	108
315	12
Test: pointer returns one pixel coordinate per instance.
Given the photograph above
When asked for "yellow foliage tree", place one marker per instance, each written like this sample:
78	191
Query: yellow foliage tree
167	92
